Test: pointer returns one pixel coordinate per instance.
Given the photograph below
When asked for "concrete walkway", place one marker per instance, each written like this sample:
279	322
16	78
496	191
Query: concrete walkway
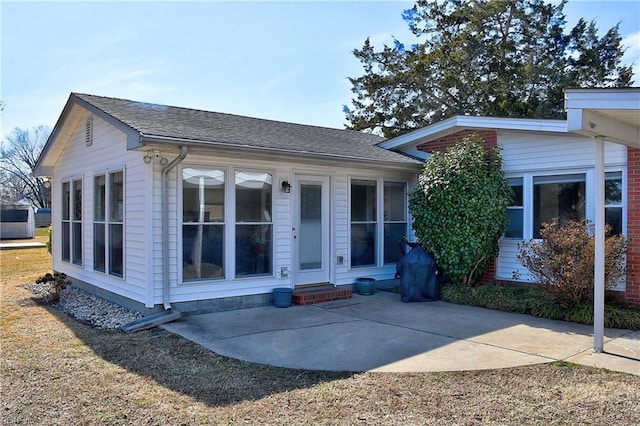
380	333
22	245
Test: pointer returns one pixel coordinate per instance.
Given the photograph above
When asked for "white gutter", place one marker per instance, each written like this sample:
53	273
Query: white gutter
165	224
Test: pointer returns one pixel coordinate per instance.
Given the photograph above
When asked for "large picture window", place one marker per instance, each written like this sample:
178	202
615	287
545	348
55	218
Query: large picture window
560	196
254	226
108	223
203	223
364	222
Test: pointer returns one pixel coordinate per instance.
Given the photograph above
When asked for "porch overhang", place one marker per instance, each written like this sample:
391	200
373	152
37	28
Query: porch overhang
612	115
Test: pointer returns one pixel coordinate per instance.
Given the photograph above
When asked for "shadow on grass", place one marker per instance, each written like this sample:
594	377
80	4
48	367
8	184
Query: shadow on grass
188	368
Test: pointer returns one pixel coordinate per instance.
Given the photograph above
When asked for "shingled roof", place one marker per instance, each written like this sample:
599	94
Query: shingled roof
191	125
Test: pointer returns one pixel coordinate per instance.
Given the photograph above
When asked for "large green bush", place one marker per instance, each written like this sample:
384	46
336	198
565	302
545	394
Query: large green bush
459	208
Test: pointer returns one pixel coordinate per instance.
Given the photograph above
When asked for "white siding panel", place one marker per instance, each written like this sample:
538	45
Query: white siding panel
508	265
106	153
526	152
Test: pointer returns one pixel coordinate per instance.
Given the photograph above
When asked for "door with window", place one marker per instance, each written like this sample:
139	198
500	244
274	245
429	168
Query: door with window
311	232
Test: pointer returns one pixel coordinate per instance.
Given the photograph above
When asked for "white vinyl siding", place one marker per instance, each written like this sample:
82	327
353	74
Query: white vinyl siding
107	153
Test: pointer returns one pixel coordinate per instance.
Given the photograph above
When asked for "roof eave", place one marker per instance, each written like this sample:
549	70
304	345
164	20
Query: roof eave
232	148
463	122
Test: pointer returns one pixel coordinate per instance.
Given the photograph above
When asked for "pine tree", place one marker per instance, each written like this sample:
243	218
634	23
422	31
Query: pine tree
507	58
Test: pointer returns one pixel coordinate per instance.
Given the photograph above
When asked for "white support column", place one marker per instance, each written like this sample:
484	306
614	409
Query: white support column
598	278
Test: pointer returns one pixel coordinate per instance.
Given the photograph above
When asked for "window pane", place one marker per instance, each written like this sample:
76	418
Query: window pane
613	188
66	200
116	253
77	242
561	197
253	197
363	244
66	241
516	187
77	200
310	231
613	218
363	200
203	195
515	226
202	252
395	204
253	250
117	196
99	253
393	233
99	198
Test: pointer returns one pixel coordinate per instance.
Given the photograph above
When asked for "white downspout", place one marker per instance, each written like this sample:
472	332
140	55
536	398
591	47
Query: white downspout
598	276
165	224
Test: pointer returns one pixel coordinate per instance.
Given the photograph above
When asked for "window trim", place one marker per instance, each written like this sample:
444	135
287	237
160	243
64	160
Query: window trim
229	232
527	195
72	221
107	222
380	220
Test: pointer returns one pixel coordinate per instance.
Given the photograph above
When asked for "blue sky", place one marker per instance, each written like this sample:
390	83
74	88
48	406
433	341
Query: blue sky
285	61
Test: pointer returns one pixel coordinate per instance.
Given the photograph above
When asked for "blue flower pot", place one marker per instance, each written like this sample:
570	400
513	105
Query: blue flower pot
282	297
366	286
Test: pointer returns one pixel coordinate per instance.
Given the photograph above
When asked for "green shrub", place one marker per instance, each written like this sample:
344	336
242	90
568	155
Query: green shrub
563	261
534	300
459	208
50	234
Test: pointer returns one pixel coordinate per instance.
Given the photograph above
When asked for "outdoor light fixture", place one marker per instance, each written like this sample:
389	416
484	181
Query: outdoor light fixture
286	187
151	155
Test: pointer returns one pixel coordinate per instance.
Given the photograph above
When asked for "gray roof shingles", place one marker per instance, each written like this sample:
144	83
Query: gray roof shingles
234	130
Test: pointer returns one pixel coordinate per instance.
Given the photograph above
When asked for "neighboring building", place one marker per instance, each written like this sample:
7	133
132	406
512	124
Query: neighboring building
552	174
16	221
156	205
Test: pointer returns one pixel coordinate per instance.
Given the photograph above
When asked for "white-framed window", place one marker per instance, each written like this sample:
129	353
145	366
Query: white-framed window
515	210
364	222
203	223
540	198
378	221
108	223
613	202
226	211
71	238
254	225
395	220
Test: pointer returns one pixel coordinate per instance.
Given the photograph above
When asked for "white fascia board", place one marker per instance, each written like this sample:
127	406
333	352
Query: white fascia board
461	122
592	124
627	98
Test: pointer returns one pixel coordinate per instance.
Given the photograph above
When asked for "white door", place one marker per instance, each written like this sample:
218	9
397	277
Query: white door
311	230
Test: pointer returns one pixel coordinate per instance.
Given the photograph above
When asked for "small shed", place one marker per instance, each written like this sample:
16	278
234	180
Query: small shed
16	221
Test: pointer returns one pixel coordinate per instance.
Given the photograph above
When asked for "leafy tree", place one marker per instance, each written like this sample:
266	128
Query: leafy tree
18	156
508	58
459	208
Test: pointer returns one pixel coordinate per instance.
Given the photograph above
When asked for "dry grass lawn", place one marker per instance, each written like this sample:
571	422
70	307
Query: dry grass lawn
55	370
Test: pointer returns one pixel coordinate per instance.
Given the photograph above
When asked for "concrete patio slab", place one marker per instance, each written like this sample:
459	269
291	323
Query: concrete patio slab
380	333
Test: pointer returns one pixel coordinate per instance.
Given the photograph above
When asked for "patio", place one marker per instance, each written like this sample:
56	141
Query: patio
380	333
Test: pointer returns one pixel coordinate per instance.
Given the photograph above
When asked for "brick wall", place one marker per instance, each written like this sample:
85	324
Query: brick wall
490	139
633	226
